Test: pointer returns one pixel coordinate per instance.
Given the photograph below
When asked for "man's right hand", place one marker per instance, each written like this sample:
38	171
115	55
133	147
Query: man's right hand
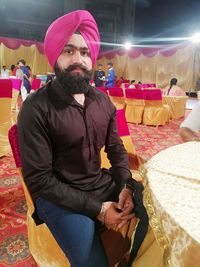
111	216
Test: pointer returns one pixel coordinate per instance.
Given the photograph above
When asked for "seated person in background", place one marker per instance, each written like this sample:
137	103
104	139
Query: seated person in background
12	70
132	86
99	76
110	79
4	72
119	82
62	128
173	89
190	127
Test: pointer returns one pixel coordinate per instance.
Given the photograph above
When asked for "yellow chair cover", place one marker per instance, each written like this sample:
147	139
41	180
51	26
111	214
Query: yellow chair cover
177	105
130	148
118	101
150	253
134	110
42	245
15	94
5	124
156	115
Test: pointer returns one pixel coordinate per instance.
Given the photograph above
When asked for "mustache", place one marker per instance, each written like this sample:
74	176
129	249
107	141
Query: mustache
75	66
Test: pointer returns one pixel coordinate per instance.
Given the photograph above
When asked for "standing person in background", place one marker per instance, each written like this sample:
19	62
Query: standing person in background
110	79
62	129
99	76
23	73
26	75
30	73
173	89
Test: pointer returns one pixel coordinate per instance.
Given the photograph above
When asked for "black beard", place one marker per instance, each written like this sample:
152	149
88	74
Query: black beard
74	83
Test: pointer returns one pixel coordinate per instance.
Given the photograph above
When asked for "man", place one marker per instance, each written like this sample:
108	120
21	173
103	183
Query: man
26	75
110	79
62	128
99	76
4	72
190	127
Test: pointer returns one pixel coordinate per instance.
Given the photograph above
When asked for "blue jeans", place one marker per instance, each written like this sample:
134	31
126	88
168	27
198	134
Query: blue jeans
76	234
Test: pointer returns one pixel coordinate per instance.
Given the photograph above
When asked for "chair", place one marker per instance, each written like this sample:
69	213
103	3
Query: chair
177	105
16	87
102	89
138	86
134	105
5	114
155	112
116	95
127	141
35	85
42	244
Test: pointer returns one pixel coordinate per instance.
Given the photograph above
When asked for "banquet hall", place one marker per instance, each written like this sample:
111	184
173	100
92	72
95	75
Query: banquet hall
138	42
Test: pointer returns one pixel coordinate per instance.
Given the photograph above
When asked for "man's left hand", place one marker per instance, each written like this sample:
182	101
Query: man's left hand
126	201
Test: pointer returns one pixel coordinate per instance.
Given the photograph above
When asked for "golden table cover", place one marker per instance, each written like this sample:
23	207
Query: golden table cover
172	199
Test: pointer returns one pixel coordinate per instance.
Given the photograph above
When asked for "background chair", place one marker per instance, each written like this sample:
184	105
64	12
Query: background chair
128	144
5	114
177	105
16	87
35	85
134	105
102	89
116	95
155	112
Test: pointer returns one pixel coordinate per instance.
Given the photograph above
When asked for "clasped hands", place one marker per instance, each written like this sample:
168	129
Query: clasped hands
116	215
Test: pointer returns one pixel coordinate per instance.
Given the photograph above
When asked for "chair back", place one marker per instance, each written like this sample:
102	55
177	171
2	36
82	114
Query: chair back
13	140
5	88
5	102
116	91
134	94
138	86
154	94
121	123
16	83
102	89
36	84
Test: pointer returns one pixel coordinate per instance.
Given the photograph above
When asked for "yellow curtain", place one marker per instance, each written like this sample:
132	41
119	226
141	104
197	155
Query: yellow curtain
37	61
160	69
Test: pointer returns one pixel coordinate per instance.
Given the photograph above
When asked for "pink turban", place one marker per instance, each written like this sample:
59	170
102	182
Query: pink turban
60	31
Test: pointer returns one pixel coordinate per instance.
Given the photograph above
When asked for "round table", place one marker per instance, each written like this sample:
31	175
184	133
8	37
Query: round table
172	199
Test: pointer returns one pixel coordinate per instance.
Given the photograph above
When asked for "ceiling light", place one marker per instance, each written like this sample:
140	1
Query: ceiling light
196	38
127	45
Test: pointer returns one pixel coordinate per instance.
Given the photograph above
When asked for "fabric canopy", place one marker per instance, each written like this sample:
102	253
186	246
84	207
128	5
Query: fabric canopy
156	65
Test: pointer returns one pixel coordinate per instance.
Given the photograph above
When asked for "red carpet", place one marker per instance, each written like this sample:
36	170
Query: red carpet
150	140
13	239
